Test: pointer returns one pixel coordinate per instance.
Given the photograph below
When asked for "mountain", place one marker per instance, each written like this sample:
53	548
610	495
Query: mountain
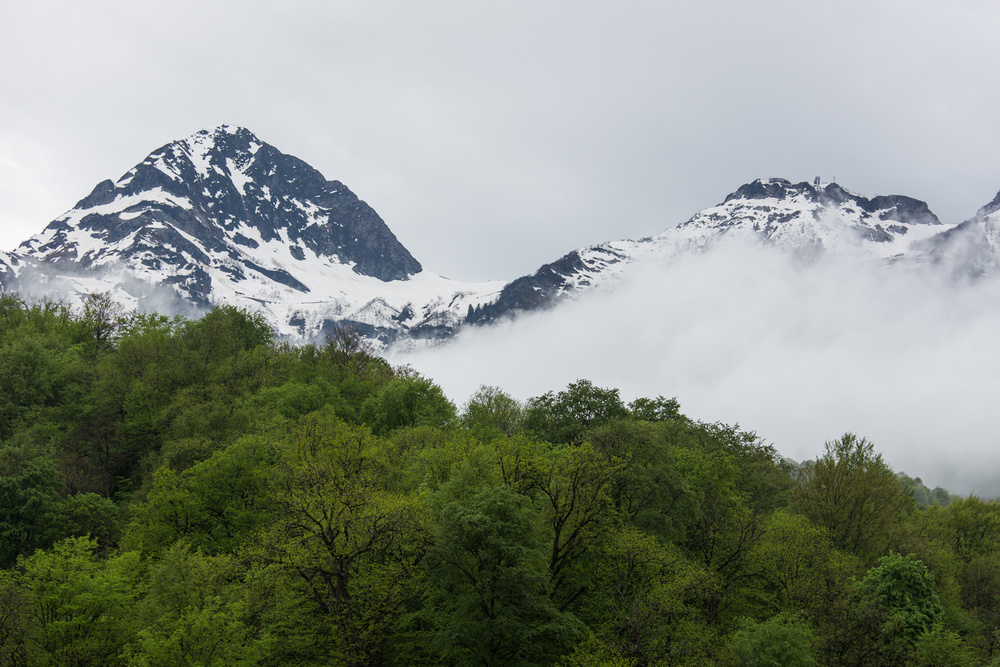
807	219
212	192
223	218
812	218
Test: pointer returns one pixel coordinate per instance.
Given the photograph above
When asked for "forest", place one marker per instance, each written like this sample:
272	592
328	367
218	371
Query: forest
195	492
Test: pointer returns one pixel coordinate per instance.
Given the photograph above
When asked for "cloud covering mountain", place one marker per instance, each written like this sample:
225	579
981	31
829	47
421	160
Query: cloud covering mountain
798	352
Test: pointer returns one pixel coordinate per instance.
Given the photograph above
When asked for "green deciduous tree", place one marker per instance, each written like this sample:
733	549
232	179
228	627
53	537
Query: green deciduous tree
657	409
349	362
214	505
29	376
971	526
651	492
564	417
490	408
81	606
430	457
723	531
91	515
592	652
349	547
193	613
18	628
30	502
407	402
938	647
883	616
795	557
488	601
218	337
904	587
854	494
646	602
574	484
101	320
293	399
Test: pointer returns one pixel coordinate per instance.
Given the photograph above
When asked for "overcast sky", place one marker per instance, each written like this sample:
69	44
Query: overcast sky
493	137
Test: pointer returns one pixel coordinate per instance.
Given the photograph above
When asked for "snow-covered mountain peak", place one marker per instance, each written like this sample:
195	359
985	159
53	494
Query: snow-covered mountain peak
229	192
807	219
773	188
227	149
811	217
222	217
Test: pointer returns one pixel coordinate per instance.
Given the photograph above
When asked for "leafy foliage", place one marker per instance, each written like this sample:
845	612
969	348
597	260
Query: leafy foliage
407	402
565	416
489	408
488	585
178	491
905	588
347	544
780	641
853	493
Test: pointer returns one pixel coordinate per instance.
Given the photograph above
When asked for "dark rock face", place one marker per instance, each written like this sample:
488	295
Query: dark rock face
7	277
773	188
898	208
769	206
876	234
992	207
530	292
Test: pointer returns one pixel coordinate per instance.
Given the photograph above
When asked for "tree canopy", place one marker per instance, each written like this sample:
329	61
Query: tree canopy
193	491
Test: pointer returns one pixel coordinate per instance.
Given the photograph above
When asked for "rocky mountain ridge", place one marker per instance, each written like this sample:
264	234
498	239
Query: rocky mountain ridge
223	218
807	219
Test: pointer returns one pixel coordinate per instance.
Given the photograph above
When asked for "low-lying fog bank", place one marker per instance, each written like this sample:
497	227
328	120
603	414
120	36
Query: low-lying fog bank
800	354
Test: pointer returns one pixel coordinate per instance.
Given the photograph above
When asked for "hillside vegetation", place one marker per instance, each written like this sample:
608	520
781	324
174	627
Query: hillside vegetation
191	492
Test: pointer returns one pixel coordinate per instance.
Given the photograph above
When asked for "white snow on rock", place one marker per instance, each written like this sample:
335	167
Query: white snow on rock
141	254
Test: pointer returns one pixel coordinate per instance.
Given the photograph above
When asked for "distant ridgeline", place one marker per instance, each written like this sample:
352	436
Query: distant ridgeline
222	218
191	491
